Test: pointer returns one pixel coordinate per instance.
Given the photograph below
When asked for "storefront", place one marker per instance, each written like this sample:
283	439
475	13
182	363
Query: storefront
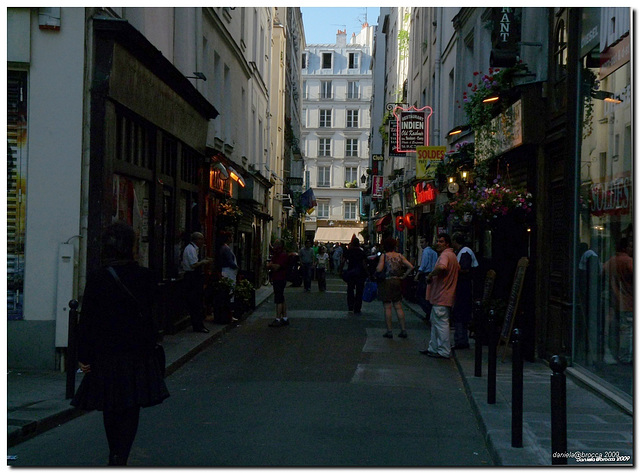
148	134
603	264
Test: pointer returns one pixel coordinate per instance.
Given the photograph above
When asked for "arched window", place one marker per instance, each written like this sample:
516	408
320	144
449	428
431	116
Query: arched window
560	50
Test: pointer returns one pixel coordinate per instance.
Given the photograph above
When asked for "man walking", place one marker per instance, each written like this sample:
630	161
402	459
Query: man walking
441	292
307	257
427	264
194	281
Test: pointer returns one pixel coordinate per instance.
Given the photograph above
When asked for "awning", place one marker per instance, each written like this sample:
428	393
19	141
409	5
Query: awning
337	234
382	222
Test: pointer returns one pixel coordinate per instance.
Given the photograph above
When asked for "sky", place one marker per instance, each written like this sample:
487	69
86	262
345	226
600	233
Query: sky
322	23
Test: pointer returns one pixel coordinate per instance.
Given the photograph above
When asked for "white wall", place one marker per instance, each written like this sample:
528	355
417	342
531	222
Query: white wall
55	124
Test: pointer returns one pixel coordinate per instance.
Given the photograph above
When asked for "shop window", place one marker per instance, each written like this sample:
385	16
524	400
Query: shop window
133	140
603	317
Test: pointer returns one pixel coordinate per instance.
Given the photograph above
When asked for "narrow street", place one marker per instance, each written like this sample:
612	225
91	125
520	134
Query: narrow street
328	390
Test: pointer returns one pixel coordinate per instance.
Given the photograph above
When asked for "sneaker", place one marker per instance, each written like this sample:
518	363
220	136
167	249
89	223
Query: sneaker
388	334
403	334
276	323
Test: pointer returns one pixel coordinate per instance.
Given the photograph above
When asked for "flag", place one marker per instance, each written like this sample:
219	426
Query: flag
308	199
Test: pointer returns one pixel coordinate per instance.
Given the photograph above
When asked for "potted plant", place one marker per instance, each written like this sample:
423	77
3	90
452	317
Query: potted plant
221	292
244	295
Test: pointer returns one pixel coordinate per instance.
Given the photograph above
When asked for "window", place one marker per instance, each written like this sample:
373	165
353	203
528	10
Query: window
304	60
303	118
350	210
351	147
561	51
324	147
354	59
351	174
352	118
353	90
305	90
323	210
326	60
324	176
325	89
325	118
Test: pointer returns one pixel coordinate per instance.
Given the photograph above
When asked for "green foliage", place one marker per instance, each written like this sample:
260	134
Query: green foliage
403	44
243	291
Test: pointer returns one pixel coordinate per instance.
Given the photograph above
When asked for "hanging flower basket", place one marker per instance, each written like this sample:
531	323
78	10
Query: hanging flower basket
228	215
491	203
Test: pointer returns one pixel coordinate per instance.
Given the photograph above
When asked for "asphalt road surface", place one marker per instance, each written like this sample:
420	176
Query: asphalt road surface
327	390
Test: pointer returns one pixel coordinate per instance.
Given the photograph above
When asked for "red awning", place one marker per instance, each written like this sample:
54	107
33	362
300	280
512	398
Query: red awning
380	223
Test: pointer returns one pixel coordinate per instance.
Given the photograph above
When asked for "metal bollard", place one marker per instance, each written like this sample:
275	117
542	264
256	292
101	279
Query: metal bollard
517	379
72	352
493	355
480	335
558	410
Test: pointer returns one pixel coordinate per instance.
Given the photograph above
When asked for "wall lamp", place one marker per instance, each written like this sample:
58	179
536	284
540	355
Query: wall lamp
457	130
236	177
606	96
198	75
223	170
491	98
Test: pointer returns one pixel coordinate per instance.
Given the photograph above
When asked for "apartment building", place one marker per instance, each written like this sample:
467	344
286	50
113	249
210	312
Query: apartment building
337	91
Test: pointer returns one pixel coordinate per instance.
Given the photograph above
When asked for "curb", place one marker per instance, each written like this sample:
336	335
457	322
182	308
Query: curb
28	428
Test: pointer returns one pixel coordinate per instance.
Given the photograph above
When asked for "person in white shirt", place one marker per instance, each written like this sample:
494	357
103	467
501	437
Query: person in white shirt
194	281
322	263
464	292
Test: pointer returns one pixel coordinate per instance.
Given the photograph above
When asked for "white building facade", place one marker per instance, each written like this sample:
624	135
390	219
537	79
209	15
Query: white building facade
337	91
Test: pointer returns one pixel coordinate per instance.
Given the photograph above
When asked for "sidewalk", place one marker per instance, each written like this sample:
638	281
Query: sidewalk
36	399
594	426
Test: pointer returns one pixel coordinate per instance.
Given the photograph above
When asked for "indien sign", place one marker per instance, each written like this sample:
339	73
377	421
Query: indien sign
412	128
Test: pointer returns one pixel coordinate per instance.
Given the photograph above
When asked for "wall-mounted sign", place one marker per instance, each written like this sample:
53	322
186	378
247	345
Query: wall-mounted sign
508	135
412	128
427	160
393	139
376	190
425	193
293	181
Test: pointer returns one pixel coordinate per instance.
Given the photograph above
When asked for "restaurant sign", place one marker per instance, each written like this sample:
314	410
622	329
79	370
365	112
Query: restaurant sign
412	128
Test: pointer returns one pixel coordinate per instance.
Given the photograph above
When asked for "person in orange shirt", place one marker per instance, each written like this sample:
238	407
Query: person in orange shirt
618	272
441	293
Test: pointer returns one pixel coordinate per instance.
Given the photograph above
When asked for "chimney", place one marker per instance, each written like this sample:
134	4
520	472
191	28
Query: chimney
341	38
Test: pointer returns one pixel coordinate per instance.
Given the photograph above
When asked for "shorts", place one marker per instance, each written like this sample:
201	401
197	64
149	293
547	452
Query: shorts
278	291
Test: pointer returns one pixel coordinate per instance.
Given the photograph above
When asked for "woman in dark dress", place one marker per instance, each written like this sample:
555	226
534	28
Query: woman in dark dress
116	341
355	274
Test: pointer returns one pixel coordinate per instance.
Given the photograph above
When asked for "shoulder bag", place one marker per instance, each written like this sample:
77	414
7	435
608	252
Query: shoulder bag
158	350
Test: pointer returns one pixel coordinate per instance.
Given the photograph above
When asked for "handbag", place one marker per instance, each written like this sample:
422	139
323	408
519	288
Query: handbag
370	291
380	276
158	350
350	274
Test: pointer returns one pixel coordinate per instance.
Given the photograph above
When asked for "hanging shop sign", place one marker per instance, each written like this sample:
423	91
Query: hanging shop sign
412	128
611	197
427	160
400	223
393	139
377	187
426	193
615	57
410	221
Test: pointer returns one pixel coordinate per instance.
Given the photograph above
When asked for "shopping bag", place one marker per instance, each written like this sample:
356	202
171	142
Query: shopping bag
370	291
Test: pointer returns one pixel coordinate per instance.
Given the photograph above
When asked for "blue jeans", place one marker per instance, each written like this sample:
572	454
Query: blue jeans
307	269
